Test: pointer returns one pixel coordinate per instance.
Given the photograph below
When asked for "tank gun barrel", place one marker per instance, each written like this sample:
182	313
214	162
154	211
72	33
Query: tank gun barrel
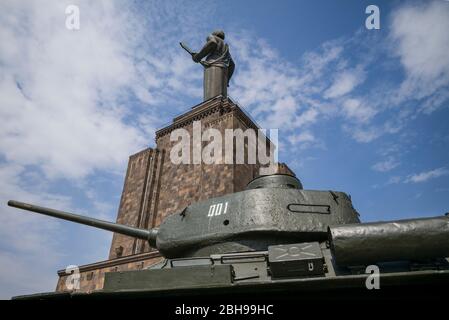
149	235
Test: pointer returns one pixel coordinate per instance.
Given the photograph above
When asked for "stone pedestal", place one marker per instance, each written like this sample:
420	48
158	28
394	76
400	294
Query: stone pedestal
215	82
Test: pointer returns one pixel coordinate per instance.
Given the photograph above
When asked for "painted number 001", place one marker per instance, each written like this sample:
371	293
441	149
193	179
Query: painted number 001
217	209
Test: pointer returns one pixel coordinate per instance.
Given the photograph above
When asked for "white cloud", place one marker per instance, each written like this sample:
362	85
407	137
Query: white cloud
427	175
418	38
363	135
51	93
394	180
419	34
317	62
305	140
76	103
64	94
303	137
263	82
307	117
29	250
278	93
344	83
386	165
327	82
282	113
356	110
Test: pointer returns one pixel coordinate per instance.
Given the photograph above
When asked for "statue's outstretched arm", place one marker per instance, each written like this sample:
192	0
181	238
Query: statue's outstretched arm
208	48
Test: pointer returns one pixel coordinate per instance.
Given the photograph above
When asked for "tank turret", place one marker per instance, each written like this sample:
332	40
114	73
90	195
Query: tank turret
275	210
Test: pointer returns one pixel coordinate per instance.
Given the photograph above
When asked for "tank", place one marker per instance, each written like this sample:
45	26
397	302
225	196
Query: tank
274	237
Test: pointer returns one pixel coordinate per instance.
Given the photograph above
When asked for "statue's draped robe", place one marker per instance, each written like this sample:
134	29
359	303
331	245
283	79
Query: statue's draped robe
218	67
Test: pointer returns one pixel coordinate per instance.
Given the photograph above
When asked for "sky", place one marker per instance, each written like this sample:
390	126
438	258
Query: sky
360	111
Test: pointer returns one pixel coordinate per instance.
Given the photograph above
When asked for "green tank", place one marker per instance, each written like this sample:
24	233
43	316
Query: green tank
275	237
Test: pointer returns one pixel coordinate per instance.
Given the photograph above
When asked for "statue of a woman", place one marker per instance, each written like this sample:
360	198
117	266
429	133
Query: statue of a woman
218	65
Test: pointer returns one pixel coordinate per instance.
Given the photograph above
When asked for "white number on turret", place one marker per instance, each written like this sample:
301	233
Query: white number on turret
218	209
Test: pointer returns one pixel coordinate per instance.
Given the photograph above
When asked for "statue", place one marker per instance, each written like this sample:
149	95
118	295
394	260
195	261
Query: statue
218	64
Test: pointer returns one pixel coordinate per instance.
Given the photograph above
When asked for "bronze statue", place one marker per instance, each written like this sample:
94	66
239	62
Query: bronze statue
218	64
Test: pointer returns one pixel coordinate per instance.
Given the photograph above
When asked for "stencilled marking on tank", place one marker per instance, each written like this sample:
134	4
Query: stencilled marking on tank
311	266
217	209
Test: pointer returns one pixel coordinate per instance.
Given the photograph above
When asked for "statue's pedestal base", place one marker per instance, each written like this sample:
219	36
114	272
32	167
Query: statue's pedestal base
215	82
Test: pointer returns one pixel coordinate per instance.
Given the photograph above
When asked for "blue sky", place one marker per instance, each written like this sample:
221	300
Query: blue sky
361	111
